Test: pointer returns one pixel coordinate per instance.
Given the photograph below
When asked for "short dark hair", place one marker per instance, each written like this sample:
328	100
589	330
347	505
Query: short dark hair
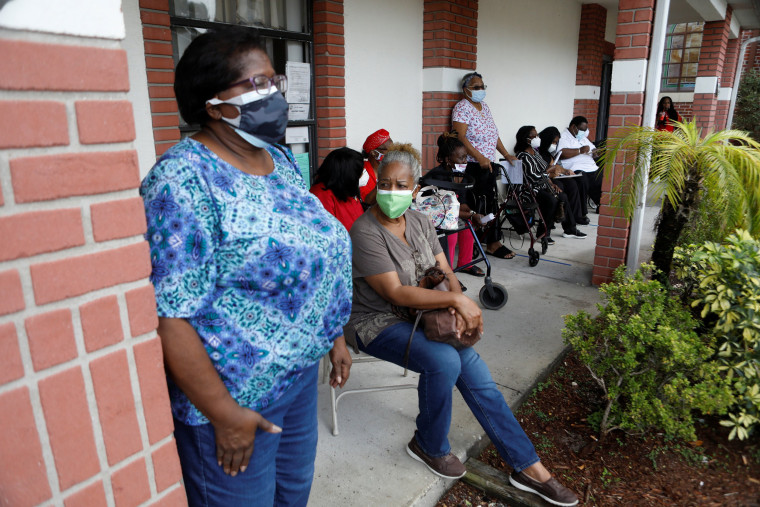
578	120
209	65
340	172
468	77
447	143
547	135
521	137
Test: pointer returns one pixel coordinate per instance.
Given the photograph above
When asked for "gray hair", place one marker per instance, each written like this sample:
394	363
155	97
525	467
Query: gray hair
469	77
404	157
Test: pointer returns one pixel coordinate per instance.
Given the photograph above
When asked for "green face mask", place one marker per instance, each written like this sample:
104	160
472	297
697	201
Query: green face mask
394	202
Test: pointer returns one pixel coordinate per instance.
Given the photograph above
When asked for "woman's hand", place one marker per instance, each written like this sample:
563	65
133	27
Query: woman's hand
484	162
470	313
235	434
341	363
477	220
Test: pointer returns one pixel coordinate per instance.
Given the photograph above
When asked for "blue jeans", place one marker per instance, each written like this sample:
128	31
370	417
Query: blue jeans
282	465
441	367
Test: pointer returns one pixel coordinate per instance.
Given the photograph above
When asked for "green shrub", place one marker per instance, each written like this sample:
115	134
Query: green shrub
725	282
747	112
644	353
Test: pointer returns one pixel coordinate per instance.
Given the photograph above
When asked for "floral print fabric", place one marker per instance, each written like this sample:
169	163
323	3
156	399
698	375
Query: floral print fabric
481	129
254	263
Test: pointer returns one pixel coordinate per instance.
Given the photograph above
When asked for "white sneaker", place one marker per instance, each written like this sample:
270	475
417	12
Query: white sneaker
577	234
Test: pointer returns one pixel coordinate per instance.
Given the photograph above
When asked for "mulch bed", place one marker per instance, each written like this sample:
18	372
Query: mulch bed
624	469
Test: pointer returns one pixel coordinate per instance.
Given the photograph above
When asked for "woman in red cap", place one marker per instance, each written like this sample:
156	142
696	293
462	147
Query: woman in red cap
373	150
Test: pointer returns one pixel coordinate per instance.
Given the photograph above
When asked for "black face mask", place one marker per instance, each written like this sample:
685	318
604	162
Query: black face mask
263	118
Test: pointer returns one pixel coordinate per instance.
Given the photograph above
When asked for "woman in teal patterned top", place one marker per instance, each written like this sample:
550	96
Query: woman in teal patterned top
253	282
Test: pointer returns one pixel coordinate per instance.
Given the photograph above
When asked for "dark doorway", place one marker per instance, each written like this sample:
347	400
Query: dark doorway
604	101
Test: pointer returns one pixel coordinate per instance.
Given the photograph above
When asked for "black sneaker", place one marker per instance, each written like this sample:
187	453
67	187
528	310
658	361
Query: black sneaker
448	467
583	221
575	234
551	491
549	240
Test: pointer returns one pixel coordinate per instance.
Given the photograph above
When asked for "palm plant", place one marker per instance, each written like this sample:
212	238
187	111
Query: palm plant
683	167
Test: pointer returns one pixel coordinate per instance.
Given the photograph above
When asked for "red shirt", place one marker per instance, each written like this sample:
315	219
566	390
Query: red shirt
345	211
371	184
663	122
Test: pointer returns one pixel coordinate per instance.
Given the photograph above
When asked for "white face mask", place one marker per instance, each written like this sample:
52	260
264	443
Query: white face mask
581	135
535	143
364	179
460	168
553	149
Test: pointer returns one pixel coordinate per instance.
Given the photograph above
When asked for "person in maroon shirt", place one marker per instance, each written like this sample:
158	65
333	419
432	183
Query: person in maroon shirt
337	185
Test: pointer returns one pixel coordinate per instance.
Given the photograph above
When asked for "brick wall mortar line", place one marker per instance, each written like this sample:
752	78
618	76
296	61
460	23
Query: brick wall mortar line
137	394
69	253
59	39
12	208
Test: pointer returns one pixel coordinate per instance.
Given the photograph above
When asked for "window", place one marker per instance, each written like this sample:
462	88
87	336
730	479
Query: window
682	48
285	29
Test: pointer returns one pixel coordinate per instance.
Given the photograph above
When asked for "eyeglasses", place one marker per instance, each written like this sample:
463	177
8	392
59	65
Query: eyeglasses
262	84
481	87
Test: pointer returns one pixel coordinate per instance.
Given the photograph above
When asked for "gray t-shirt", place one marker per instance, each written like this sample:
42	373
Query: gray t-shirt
376	250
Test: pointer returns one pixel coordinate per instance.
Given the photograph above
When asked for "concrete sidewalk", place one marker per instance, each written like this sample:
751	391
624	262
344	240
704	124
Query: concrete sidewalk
367	463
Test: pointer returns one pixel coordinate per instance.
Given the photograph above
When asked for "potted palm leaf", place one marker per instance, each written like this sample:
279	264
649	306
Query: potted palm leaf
683	166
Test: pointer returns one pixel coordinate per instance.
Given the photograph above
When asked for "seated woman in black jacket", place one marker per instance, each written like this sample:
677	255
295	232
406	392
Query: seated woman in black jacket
452	158
570	186
537	171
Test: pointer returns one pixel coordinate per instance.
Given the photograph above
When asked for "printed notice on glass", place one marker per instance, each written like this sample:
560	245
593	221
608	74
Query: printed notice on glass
299	83
296	135
298	112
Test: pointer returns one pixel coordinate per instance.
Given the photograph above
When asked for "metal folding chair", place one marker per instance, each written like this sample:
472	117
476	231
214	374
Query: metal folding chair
357	357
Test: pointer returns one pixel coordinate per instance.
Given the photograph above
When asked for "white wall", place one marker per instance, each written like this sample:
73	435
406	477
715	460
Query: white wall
527	53
383	69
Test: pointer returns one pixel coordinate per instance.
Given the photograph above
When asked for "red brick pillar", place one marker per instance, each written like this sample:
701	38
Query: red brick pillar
588	74
712	58
450	50
84	409
634	29
159	64
329	75
727	84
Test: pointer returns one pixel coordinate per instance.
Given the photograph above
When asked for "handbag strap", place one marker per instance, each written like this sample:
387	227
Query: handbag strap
411	337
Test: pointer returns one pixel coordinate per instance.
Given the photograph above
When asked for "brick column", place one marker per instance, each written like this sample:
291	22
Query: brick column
632	44
588	74
450	50
84	409
159	64
727	84
329	75
712	57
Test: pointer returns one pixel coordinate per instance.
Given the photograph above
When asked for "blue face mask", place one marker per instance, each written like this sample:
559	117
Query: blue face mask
581	135
477	95
262	119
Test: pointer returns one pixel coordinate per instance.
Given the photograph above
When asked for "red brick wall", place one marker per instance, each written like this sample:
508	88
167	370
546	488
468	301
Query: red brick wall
712	58
436	119
450	39
83	402
591	50
752	55
631	43
685	109
330	75
159	65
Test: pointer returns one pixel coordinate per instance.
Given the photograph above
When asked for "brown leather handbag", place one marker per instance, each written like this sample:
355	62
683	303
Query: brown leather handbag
441	325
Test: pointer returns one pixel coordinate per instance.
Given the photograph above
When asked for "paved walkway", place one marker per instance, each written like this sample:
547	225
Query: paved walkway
367	464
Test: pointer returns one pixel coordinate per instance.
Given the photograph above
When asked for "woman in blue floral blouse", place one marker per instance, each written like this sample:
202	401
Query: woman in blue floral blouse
253	282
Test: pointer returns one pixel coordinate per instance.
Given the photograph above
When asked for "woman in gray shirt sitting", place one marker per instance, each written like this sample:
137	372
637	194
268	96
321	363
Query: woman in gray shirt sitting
392	248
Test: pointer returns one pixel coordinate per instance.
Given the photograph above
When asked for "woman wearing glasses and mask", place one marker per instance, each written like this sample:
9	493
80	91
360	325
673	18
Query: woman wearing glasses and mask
252	279
472	120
